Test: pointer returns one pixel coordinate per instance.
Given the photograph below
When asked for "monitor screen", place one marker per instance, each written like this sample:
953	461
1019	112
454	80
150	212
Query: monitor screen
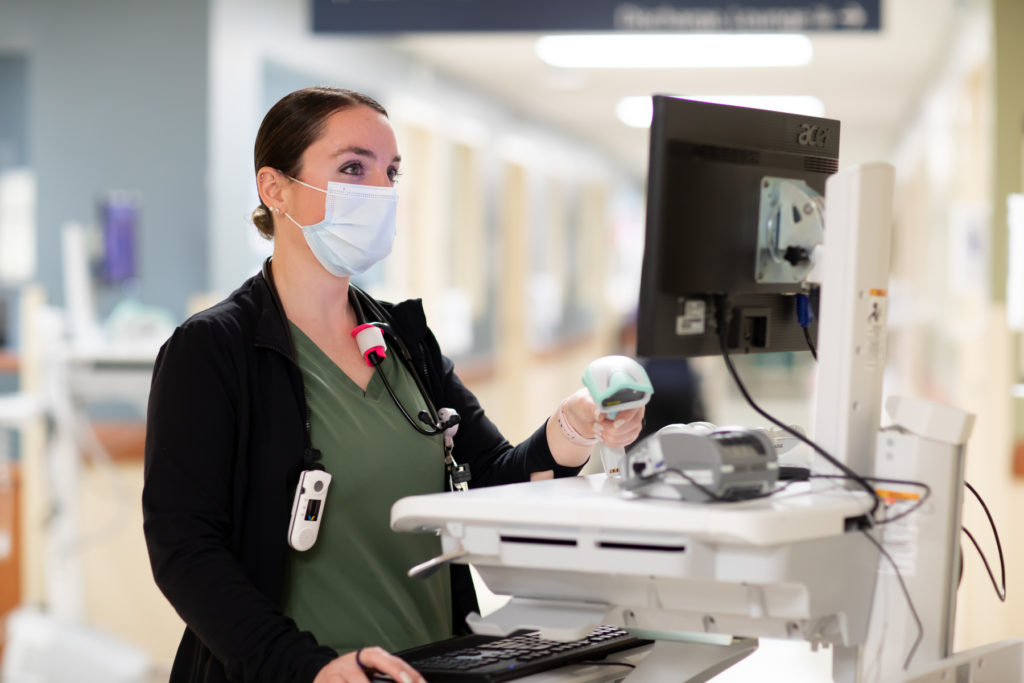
708	164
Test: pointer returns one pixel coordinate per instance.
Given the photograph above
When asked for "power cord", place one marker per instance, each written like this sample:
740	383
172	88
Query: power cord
882	480
999	587
906	594
720	306
714	497
1000	591
720	320
805	316
697	485
810	343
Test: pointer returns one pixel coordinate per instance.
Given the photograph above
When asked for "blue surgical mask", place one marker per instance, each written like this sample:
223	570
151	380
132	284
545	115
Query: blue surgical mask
358	229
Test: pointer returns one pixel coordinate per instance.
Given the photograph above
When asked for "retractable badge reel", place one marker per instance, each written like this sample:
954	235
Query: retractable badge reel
307	508
458	475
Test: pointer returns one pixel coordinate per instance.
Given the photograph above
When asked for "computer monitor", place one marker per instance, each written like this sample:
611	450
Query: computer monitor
708	164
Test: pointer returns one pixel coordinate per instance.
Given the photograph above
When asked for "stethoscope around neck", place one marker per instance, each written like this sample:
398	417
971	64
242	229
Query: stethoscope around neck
369	337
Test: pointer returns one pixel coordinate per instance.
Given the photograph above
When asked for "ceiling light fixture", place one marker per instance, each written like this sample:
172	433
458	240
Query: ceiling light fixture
674	51
635	112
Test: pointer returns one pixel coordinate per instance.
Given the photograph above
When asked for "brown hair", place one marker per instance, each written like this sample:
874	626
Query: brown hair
294	123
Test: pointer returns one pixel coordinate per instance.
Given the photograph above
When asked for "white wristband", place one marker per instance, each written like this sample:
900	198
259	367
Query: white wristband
569	432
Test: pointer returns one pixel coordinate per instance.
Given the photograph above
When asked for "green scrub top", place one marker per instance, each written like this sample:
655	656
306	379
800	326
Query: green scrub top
350	589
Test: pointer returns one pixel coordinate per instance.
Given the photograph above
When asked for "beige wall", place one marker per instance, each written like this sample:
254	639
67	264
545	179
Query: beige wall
949	339
120	596
1007	163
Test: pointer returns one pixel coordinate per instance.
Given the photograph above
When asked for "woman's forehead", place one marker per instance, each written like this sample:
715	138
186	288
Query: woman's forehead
357	127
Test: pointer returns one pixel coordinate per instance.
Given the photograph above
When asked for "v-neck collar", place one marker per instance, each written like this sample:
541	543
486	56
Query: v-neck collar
374	388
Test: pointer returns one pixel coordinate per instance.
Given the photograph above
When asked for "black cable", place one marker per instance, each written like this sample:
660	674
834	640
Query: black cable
906	594
1001	594
999	546
909	511
736	500
766	494
805	315
714	497
905	482
787	472
700	487
810	343
720	320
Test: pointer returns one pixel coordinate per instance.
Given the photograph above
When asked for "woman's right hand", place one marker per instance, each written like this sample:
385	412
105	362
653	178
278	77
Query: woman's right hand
347	669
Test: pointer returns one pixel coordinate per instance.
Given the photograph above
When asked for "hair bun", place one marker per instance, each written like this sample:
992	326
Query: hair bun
263	221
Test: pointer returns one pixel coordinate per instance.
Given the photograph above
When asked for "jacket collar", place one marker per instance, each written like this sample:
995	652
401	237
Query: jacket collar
272	331
272	325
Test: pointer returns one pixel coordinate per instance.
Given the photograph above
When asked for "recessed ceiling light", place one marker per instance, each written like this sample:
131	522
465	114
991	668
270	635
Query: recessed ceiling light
674	51
636	111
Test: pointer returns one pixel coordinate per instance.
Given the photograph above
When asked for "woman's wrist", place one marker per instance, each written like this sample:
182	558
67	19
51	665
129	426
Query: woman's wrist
569	431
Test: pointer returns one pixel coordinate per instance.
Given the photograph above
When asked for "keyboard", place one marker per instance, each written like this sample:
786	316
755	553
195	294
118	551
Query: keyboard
483	659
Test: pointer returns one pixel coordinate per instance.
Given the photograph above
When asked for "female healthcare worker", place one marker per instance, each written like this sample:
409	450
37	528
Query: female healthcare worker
270	384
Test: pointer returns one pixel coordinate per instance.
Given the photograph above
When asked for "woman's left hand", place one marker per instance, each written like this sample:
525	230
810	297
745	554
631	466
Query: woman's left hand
577	421
585	417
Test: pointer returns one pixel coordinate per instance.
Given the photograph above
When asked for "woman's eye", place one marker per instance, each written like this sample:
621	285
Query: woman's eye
352	169
393	174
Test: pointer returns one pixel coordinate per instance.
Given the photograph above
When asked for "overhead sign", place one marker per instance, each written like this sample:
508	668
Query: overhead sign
768	16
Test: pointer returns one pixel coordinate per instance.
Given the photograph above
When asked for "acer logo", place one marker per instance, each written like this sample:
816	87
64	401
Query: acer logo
812	135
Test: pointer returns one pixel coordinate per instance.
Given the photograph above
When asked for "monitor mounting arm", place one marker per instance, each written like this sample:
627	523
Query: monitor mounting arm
790	227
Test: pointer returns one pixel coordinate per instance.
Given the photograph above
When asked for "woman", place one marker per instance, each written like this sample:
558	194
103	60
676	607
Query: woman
270	383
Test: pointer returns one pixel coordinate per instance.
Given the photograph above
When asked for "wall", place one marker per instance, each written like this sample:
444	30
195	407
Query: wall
117	100
13	110
17	205
115	97
949	339
1007	174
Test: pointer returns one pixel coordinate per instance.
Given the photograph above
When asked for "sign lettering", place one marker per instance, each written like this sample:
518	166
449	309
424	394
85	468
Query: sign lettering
763	16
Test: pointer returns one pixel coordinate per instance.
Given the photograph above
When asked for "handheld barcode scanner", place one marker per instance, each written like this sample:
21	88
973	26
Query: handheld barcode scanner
616	383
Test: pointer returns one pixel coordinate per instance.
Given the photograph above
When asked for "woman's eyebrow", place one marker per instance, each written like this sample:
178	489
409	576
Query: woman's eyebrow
363	152
353	149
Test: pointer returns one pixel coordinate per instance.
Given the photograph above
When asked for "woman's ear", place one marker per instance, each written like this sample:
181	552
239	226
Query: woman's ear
270	183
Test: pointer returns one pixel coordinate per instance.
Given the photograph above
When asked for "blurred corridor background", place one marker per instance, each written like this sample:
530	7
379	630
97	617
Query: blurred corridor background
126	185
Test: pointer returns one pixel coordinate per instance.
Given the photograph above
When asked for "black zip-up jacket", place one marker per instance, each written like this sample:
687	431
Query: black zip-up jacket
226	439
